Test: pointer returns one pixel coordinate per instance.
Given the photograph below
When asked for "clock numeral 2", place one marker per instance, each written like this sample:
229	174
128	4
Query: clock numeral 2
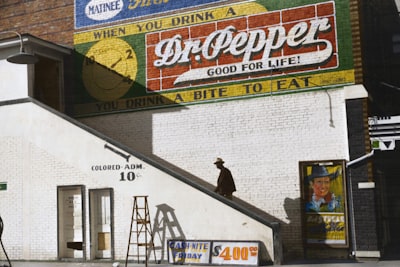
129	54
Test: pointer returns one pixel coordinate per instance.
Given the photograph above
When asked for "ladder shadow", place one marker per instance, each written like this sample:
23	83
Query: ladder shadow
166	220
280	227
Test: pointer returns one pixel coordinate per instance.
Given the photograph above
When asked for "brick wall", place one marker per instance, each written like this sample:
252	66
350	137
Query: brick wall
261	140
363	200
50	20
35	161
12	148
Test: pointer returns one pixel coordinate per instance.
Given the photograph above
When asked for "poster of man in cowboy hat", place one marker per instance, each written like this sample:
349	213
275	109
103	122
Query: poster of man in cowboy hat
324	198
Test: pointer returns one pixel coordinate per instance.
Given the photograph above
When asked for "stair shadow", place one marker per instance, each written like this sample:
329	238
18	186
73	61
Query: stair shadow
167	230
208	188
240	205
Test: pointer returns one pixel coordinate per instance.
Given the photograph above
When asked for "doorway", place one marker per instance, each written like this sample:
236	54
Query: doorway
387	171
48	82
101	223
70	222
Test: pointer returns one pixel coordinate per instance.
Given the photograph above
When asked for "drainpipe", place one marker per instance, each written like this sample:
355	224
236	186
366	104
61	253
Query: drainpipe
370	154
351	206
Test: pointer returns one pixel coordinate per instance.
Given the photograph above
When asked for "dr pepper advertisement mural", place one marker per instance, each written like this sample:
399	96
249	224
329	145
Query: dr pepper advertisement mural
324	197
223	52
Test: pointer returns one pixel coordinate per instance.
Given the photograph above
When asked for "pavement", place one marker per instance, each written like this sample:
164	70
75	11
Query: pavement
345	263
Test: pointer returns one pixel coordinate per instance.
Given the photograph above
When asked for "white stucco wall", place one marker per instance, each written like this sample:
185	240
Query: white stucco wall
11	74
262	141
41	151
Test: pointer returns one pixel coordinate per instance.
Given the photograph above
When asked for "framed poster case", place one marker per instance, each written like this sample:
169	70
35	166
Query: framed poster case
324	205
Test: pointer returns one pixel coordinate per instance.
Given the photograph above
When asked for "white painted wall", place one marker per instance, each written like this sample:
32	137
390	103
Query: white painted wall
10	74
262	141
41	151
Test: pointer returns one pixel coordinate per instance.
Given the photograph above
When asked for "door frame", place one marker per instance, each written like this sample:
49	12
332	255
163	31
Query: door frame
81	188
93	239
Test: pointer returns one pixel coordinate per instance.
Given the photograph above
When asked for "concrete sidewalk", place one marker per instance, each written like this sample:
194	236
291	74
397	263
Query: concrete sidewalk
345	263
366	263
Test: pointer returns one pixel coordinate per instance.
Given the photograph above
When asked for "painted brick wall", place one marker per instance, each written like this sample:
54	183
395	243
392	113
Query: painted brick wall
366	238
31	224
43	151
261	140
12	148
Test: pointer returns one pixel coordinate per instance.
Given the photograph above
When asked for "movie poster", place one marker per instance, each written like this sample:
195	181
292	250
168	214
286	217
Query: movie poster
324	203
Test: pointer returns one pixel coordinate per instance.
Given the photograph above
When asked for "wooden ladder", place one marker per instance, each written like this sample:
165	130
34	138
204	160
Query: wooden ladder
140	242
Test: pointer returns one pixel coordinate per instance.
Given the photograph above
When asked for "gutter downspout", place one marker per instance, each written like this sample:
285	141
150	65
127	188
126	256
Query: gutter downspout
370	154
351	206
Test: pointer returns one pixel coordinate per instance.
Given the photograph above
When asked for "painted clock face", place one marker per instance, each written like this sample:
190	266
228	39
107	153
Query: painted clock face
109	69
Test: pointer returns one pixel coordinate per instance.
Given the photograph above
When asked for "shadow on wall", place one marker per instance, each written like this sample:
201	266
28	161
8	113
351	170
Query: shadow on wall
103	87
84	104
237	203
292	208
166	226
315	232
165	221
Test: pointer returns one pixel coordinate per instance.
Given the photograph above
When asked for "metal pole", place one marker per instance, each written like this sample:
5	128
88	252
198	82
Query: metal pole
1	242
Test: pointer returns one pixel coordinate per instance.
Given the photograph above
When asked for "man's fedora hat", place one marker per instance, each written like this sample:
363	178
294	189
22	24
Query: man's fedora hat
219	160
318	171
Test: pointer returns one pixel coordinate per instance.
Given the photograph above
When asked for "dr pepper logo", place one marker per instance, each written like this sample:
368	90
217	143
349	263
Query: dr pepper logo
273	43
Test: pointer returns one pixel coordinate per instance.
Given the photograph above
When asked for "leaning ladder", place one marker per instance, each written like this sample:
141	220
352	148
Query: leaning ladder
141	241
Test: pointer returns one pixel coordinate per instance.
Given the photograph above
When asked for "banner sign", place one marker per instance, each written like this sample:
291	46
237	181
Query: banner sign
97	12
228	52
213	252
324	198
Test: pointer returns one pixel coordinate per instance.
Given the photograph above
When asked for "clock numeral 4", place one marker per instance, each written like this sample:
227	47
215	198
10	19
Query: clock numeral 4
89	60
127	79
